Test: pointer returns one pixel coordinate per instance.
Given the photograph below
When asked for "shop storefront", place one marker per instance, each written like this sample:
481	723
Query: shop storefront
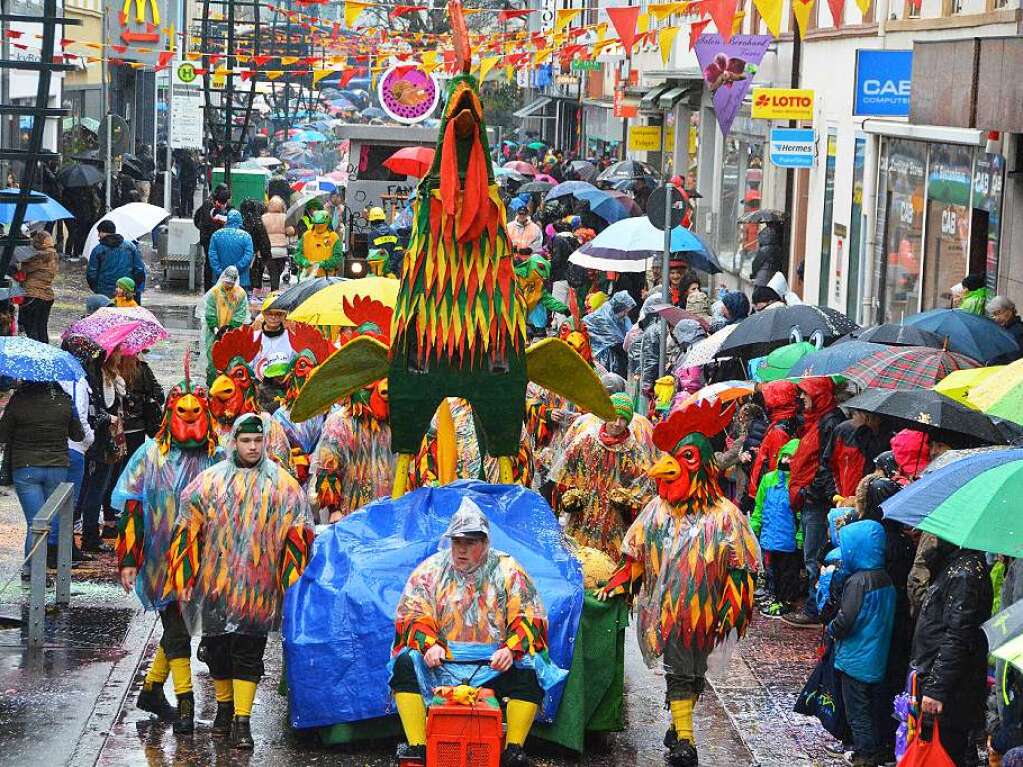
741	192
938	219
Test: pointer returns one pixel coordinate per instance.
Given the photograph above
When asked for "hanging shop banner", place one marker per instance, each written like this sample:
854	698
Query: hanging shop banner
408	93
728	71
186	116
782	104
883	82
644	138
792	147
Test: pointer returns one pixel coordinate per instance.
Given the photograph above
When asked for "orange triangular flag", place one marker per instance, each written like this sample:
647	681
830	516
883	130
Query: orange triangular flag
624	20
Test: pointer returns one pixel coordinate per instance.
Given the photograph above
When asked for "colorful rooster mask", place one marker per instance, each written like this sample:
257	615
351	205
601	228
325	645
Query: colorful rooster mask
187	421
312	350
234	391
687	473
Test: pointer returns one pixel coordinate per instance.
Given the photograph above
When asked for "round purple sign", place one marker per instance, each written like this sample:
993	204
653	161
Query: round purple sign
408	93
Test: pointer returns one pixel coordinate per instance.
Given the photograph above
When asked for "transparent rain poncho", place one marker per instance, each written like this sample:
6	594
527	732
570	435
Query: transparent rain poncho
353	463
155	481
594	467
697	577
243	536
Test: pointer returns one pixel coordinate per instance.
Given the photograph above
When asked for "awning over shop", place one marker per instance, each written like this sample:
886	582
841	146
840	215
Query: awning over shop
649	101
533	108
669	98
940	134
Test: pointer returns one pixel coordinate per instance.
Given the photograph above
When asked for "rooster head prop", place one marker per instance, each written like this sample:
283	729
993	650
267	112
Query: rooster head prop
687	475
234	390
312	349
187	422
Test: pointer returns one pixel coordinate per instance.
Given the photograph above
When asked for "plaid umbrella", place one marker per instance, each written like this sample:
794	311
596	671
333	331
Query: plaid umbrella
145	333
907	367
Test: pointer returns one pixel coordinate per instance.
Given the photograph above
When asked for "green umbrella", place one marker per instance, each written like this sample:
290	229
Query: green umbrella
539	146
1005	635
778	363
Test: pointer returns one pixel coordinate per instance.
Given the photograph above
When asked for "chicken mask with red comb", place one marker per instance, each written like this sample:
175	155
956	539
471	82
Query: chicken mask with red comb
687	474
187	422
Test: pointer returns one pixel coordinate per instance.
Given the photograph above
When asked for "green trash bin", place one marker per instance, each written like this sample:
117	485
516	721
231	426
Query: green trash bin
245	183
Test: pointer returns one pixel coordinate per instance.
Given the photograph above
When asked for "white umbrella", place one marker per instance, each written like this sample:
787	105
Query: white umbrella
703	351
134	220
632	244
297	208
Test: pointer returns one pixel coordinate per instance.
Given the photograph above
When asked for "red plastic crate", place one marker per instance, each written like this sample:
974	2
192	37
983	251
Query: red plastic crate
464	736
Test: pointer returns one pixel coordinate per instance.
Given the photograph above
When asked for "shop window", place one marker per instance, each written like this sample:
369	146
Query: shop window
852	293
828	219
988	181
948	252
903	219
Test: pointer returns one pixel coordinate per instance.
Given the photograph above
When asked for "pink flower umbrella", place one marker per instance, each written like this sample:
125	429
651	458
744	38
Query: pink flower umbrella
106	328
521	167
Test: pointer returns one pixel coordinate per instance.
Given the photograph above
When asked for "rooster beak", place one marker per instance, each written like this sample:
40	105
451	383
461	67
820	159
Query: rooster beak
222	388
188	409
667	468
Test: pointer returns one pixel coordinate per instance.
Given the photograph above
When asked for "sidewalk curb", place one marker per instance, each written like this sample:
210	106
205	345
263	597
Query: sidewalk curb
108	703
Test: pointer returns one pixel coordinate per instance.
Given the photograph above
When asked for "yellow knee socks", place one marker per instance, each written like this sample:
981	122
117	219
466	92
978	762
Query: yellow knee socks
159	670
223	690
520	718
244	693
181	673
412	712
682	718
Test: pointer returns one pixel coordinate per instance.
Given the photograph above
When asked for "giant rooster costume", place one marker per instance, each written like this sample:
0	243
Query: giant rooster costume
459	327
693	559
147	497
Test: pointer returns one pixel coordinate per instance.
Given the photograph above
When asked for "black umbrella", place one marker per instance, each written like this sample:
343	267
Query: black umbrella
74	176
536	187
296	294
628	169
766	330
891	334
767	215
135	168
927	410
580	170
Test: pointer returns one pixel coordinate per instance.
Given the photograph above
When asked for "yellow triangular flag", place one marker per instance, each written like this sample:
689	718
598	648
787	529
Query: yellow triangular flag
287	61
737	22
642	23
509	73
864	6
352	10
601	31
801	10
486	64
770	12
666	41
338	59
564	17
538	59
273	74
661	11
319	74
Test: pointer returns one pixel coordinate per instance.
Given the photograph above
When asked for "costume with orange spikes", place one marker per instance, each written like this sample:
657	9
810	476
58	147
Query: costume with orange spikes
693	560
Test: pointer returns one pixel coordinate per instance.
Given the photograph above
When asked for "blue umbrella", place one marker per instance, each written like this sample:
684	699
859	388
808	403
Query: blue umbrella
969	334
630	245
29	360
570	189
50	210
372	112
309	137
835	359
342	103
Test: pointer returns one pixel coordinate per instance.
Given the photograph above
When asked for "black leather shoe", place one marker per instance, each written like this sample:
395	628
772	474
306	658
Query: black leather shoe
514	756
411	755
222	721
153	700
185	723
241	735
683	754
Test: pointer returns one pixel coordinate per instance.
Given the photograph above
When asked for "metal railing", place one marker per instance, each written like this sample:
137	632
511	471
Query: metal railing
59	505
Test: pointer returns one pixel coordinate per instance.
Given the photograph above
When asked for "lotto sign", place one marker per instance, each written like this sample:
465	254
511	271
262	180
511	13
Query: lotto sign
782	104
792	147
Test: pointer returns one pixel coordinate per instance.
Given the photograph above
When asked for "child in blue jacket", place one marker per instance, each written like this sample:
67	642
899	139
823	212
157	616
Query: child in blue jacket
862	631
777	526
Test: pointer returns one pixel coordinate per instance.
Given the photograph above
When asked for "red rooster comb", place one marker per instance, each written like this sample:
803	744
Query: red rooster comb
239	342
364	311
304	336
706	418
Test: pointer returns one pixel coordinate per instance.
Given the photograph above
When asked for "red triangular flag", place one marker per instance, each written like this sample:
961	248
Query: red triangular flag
837	11
723	13
624	20
510	14
260	60
164	58
346	77
696	30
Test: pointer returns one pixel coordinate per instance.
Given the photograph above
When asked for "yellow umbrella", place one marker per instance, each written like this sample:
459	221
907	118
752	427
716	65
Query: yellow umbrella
1002	395
959	384
324	308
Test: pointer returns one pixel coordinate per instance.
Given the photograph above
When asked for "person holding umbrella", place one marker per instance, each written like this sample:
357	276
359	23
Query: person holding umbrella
113	259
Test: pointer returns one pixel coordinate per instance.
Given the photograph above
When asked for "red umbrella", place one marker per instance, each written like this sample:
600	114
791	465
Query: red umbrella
522	167
906	367
411	161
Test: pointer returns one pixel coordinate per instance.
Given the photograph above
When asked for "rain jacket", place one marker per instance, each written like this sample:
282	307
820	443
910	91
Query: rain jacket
863	626
111	260
949	648
812	483
773	521
781	398
737	305
232	246
607	332
850	455
383	237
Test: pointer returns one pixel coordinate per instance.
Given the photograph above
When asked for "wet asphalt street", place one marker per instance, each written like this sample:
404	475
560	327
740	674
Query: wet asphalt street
73	703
